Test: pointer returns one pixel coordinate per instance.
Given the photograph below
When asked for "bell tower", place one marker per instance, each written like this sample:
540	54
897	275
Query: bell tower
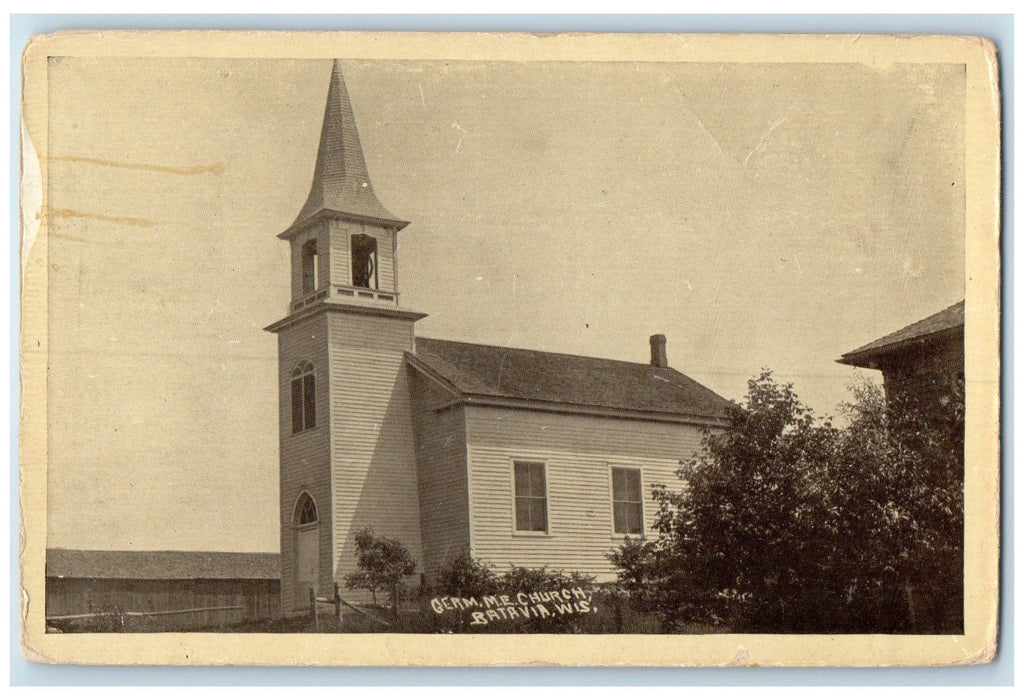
343	241
347	457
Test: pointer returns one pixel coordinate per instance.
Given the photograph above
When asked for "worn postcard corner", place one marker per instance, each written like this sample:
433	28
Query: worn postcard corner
496	349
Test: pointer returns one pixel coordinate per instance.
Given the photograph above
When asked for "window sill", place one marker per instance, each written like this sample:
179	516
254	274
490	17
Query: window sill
530	533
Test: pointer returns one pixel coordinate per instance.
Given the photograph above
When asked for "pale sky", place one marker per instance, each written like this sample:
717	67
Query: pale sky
758	215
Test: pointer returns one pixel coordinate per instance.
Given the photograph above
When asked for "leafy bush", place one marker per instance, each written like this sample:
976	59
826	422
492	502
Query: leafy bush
467	577
524	579
520	578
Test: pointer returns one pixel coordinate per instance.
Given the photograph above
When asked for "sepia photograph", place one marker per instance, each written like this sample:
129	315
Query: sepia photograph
627	342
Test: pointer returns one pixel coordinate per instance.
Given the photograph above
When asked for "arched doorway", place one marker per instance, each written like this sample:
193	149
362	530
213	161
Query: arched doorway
306	522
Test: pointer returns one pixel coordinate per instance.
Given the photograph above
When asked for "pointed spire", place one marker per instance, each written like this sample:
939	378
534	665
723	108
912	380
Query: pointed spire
341	182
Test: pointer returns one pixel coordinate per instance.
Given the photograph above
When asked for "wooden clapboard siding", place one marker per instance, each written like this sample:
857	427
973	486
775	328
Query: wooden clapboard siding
578	452
441	465
927	373
340	270
305	457
385	256
372	447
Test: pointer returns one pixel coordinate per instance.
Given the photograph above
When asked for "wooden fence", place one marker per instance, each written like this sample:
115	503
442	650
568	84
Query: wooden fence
154	605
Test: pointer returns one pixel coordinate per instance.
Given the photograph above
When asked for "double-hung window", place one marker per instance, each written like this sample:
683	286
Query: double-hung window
627	502
531	497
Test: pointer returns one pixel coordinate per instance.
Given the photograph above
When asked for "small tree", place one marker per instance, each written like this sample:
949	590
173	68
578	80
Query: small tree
383	564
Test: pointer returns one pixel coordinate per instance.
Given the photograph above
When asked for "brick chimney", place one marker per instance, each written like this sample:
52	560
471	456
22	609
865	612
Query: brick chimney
659	356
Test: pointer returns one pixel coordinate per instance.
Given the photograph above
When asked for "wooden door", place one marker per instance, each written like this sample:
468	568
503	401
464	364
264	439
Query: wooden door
307	564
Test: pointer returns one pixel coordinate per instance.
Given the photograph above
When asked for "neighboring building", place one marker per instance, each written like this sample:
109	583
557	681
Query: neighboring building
190	590
924	361
515	456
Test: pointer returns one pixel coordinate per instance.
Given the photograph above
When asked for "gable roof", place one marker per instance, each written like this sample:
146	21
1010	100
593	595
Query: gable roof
548	379
90	563
945	321
341	183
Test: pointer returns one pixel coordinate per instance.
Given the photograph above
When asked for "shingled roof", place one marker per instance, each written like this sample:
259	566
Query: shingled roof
567	381
115	564
341	183
944	322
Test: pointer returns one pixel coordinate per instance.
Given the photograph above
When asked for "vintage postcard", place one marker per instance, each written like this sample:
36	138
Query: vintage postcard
497	349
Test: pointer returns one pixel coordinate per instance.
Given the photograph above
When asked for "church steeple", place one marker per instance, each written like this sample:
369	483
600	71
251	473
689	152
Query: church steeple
348	454
344	243
341	183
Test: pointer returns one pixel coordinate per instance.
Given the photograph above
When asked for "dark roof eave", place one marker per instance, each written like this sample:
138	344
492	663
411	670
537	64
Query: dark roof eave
322	214
495	401
861	357
330	305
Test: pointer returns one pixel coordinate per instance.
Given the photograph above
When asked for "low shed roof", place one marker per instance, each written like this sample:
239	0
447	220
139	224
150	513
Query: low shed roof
89	563
568	380
946	321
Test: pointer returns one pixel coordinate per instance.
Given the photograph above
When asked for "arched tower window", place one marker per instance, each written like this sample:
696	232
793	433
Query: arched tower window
303	397
305	510
364	261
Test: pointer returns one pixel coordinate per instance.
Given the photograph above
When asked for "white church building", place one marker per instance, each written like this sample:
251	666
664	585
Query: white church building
515	456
